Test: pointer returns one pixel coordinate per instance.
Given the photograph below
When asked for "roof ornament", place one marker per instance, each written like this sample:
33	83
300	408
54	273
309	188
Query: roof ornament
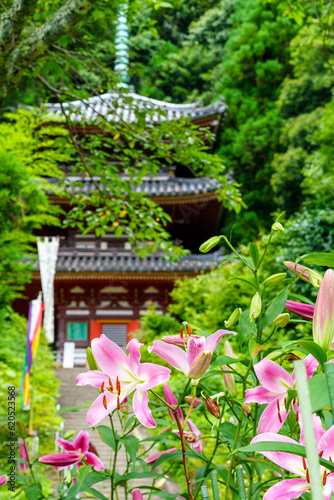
122	46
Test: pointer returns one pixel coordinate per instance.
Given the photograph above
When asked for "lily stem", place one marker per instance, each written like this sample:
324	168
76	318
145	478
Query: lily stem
235	444
184	457
190	407
208	465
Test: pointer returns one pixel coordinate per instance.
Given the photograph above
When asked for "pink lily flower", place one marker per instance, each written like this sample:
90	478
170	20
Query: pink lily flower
194	436
23	455
177	339
298	269
193	362
294	488
323	320
276	382
3	479
153	458
120	376
83	446
137	494
75	452
303	310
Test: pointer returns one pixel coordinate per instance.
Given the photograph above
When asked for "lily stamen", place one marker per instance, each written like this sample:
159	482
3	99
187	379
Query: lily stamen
307	476
324	478
304	463
102	387
105	402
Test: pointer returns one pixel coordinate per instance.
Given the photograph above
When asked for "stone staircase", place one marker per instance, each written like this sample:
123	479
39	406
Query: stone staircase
71	395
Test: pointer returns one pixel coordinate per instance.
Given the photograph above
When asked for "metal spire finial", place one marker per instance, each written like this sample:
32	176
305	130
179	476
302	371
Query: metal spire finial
122	45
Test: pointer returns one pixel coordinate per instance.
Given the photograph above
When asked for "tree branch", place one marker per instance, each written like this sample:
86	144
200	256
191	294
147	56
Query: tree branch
36	44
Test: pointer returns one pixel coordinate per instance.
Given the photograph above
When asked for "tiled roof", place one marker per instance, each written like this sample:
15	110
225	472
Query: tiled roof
130	262
116	107
162	187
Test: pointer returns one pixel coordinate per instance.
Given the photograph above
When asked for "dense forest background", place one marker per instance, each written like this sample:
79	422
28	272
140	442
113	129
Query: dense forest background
271	62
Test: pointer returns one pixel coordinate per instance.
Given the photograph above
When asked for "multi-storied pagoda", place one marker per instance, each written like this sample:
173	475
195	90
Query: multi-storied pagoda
101	285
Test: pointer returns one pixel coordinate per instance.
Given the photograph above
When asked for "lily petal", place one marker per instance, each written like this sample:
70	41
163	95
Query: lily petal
137	494
142	410
259	395
97	411
270	420
171	400
172	354
326	443
153	458
153	375
133	349
81	442
318	430
194	349
66	445
288	461
211	342
329	487
3	479
62	459
111	358
287	489
272	376
195	430
94	378
92	459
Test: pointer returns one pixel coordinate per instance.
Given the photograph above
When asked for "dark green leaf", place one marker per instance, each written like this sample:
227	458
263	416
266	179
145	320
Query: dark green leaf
310	347
131	444
74	408
319	392
95	493
138	475
275	308
253	250
319	259
107	436
245	326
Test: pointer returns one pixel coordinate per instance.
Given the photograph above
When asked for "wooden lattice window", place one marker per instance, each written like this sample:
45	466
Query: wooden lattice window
117	332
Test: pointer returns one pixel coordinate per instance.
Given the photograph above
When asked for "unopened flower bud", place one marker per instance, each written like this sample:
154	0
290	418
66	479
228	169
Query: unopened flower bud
209	244
255	308
69	434
315	278
68	476
323	319
247	409
212	407
277	226
91	360
22	430
282	320
274	280
200	365
197	401
234	318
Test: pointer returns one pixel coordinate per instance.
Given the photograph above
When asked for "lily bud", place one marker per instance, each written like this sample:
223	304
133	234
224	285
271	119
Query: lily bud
200	365
68	477
277	226
137	494
303	310
282	320
22	430
234	318
323	319
256	306
62	459
274	280
315	278
212	407
209	244
305	273
69	434
3	479
91	360
197	401
228	377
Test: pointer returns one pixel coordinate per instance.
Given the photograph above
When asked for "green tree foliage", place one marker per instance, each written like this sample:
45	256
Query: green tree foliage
255	62
177	52
24	204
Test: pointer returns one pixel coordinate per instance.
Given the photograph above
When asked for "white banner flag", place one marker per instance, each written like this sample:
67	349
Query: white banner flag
48	253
